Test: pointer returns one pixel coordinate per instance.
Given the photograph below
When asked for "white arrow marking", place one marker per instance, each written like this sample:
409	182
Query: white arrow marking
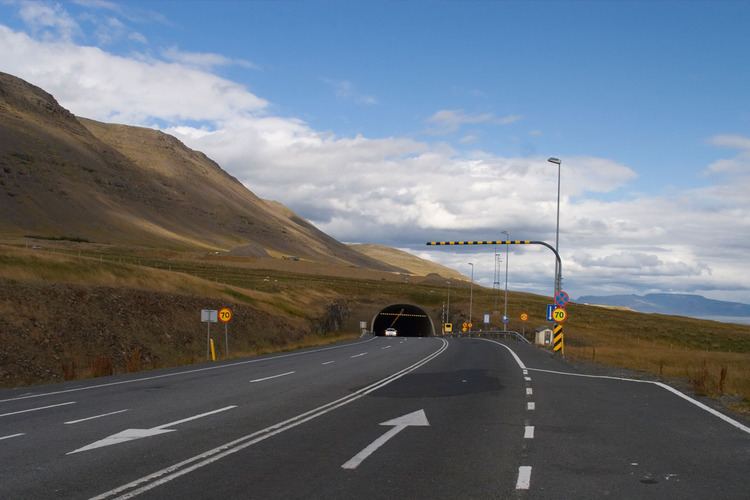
132	434
417	418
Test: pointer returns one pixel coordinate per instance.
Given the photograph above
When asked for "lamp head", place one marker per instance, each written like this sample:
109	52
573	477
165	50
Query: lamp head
554	160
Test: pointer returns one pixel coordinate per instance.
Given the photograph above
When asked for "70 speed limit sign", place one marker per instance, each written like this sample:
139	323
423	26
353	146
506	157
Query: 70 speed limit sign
559	315
225	315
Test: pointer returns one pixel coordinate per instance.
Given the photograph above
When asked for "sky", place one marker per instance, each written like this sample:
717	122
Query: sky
405	122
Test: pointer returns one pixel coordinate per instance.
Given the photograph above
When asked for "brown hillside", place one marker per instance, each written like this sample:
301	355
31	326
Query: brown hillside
66	176
409	262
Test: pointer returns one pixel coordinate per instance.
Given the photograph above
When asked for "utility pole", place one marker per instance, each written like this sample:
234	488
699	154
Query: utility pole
505	306
471	292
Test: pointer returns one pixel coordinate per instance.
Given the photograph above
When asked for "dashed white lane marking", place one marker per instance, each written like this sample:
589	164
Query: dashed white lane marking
527	379
272	376
185	372
524	477
386	347
327	363
528	432
531	406
674	391
358	355
95	416
529	391
36	409
526	372
12	436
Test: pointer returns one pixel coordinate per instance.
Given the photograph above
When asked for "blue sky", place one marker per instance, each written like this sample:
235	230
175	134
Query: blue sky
641	100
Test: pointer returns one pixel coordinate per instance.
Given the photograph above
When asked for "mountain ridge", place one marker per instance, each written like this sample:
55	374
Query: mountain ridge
671	303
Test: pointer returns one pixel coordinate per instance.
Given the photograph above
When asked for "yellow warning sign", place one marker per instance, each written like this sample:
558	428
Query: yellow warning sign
524	317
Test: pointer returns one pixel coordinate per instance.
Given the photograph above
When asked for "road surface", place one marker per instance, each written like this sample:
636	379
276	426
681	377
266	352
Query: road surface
375	418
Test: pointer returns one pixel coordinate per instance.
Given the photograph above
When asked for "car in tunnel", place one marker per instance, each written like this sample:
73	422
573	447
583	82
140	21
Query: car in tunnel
391	332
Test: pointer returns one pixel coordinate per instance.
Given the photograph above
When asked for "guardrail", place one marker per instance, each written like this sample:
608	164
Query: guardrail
493	334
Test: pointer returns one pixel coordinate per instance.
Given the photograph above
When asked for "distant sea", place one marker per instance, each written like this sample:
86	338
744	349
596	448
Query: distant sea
738	320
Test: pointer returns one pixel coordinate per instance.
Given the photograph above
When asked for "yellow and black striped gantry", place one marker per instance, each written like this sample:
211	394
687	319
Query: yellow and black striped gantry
485	242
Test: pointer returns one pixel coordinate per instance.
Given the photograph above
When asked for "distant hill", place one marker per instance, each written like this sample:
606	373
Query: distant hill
671	303
66	176
407	262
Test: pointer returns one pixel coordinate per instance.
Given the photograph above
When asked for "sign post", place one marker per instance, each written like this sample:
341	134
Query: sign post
208	316
225	316
524	318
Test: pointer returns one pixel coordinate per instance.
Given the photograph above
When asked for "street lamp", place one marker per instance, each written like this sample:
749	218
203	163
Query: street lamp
471	292
505	306
557	162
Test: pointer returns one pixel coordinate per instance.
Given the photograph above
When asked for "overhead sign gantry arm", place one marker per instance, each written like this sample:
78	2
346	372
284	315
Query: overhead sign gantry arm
502	242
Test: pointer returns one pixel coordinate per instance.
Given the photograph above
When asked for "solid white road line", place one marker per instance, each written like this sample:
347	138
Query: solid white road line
666	387
515	356
37	409
12	436
95	416
528	432
185	372
358	355
524	477
167	474
272	376
531	406
327	363
529	391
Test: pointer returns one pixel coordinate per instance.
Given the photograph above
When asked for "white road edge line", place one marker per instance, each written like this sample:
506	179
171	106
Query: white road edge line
37	409
185	372
327	363
515	356
666	387
167	474
95	416
528	432
524	477
358	355
12	436
272	376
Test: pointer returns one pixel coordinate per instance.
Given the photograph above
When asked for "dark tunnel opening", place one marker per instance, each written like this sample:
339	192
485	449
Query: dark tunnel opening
408	320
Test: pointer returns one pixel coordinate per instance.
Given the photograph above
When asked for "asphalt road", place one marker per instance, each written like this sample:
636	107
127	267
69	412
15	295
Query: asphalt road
376	418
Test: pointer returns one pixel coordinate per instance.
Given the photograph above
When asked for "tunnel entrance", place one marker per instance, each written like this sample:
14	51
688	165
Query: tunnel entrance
409	320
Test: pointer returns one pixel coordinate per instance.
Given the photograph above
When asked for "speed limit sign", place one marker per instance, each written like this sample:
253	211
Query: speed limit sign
225	315
559	315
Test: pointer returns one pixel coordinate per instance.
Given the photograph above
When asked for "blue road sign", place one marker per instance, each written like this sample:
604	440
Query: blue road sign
562	299
550	308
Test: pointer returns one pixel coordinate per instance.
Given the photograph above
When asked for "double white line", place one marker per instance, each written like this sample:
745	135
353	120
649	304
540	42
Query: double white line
167	474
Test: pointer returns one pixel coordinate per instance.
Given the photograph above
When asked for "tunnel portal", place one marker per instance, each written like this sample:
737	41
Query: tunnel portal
409	320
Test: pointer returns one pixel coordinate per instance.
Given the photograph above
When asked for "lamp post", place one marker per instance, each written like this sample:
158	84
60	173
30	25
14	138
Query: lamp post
557	162
471	292
505	306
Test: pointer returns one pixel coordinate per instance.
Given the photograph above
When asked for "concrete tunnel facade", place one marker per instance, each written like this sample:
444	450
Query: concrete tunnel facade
408	319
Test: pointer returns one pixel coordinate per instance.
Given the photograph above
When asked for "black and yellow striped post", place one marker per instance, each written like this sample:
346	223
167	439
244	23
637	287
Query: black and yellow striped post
558	339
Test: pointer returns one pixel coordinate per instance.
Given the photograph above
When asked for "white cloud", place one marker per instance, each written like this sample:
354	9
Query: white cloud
404	192
137	37
48	21
104	86
447	121
203	60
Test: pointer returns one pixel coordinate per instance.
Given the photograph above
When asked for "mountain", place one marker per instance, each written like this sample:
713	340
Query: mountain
671	303
66	176
408	262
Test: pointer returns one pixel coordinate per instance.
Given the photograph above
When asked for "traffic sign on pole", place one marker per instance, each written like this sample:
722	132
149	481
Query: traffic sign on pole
562	298
550	308
524	317
559	315
225	315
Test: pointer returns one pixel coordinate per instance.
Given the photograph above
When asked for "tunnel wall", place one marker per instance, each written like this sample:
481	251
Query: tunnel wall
410	321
